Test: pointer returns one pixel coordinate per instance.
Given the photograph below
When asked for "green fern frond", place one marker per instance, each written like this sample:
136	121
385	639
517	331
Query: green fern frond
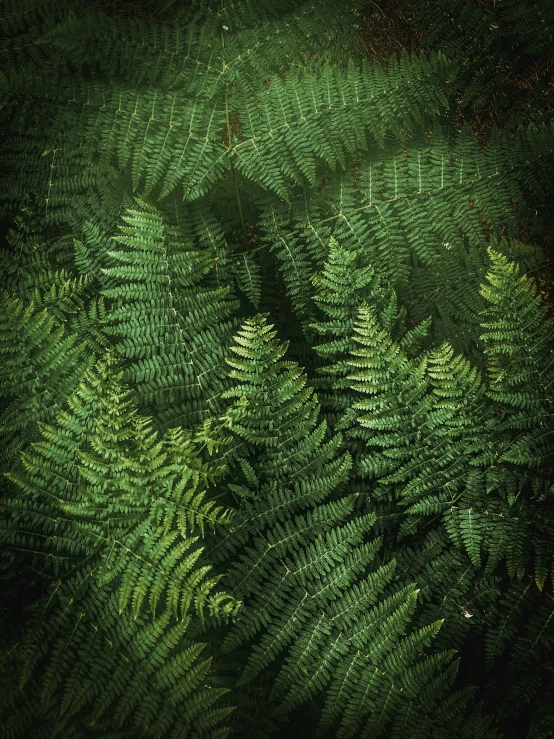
519	350
247	273
40	375
299	577
109	517
170	329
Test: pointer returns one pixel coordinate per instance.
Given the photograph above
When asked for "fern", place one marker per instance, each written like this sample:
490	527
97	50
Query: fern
446	409
108	516
521	363
341	287
165	329
295	566
35	379
167	177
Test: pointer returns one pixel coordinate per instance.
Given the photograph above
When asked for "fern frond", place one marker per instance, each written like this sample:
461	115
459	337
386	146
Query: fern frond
298	577
171	330
40	375
111	520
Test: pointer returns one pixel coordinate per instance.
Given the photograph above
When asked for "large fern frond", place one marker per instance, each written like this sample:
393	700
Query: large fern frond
112	521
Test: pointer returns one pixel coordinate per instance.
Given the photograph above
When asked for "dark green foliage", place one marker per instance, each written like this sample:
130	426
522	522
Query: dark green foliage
340	288
299	573
502	44
171	330
277	379
108	514
39	375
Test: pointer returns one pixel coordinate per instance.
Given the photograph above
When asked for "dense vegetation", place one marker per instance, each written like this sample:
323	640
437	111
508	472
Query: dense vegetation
277	369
